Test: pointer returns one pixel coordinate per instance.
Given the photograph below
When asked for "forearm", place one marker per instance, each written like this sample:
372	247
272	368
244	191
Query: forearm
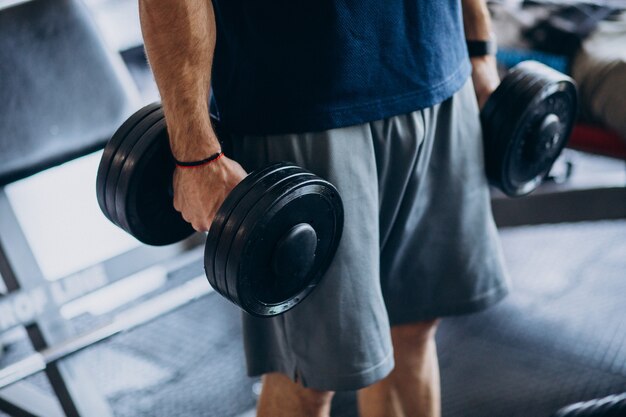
477	23
179	37
476	19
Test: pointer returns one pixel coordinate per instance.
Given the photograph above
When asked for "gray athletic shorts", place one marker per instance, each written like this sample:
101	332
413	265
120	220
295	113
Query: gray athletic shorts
419	241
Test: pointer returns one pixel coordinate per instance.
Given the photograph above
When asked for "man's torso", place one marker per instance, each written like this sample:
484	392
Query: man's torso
301	65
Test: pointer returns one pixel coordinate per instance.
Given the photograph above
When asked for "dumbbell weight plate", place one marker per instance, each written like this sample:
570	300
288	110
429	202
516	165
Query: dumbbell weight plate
223	214
535	154
254	212
228	225
492	104
514	161
531	155
265	199
119	159
524	96
496	113
111	149
559	98
506	112
144	200
128	169
517	100
260	291
216	235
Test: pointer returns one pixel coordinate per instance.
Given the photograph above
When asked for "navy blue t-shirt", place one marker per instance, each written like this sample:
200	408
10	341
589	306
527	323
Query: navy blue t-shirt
291	66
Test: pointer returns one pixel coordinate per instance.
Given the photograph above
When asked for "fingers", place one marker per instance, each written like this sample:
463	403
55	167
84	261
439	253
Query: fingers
482	99
485	77
198	193
200	220
199	225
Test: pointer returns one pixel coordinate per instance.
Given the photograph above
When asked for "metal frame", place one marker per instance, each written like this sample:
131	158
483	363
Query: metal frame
129	319
69	380
53	337
73	389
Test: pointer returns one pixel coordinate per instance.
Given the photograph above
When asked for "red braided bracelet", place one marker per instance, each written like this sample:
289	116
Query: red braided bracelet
196	164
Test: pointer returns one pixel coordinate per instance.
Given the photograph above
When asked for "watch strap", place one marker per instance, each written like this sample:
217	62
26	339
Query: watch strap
481	48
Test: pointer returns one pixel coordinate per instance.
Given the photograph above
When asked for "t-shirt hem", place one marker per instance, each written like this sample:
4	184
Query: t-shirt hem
315	121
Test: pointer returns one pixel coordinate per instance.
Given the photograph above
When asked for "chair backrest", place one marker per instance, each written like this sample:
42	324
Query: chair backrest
62	92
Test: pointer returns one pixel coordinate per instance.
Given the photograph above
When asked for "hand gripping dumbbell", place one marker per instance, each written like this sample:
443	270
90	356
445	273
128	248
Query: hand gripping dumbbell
526	124
271	240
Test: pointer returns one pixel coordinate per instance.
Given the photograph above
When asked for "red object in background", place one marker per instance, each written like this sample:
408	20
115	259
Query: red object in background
598	140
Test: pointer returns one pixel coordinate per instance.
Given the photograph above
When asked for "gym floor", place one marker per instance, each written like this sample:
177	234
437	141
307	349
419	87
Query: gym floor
560	337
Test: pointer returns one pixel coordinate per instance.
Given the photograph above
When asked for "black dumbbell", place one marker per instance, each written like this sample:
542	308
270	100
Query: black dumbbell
271	240
526	124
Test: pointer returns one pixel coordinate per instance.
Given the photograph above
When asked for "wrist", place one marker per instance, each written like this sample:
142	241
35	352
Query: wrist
483	60
201	162
193	146
191	134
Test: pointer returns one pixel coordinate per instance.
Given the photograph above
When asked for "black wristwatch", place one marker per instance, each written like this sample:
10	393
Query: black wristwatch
481	48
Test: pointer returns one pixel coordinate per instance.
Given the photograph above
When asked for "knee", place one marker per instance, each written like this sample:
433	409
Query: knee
311	401
413	335
315	401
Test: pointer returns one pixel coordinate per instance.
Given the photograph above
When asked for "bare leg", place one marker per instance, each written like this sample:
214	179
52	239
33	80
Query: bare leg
416	375
414	383
281	397
379	400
